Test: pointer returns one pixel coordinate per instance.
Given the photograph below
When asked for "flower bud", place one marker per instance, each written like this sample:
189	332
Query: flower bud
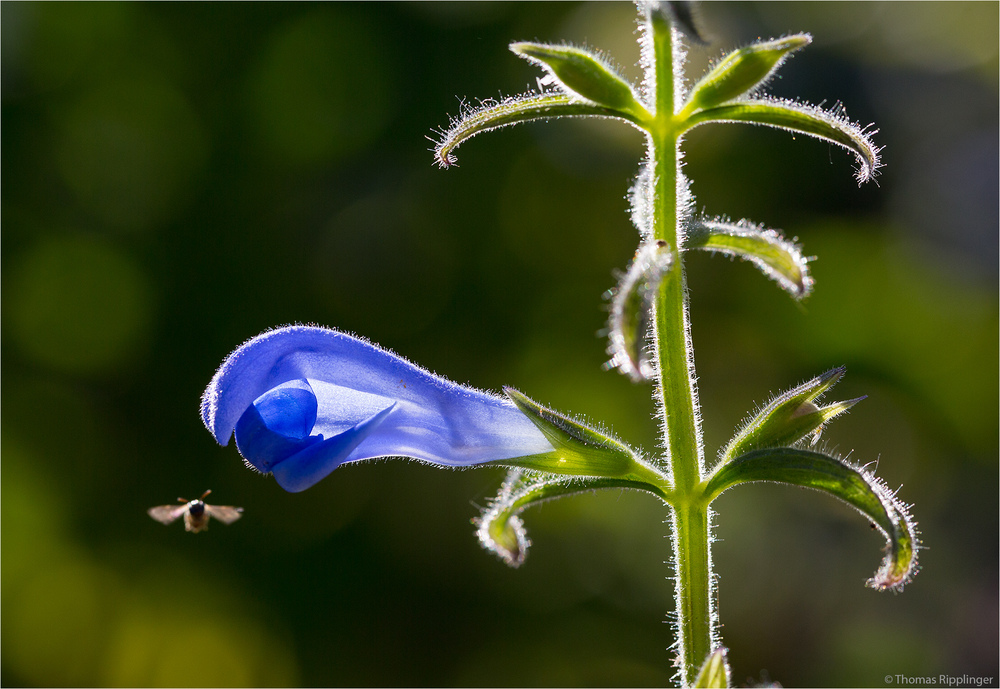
714	673
789	417
743	71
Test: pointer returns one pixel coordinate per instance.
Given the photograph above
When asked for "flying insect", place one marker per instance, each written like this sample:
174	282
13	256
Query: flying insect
196	513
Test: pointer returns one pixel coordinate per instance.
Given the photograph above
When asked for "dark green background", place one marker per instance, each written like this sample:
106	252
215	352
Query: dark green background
179	177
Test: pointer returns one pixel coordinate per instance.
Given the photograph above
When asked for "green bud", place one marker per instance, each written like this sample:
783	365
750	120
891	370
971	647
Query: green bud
584	74
742	71
714	673
789	417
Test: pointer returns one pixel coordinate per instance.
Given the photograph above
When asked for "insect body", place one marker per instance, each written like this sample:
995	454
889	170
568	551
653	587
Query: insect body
196	513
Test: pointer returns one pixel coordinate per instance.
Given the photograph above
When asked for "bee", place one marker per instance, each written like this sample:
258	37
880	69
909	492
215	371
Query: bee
196	513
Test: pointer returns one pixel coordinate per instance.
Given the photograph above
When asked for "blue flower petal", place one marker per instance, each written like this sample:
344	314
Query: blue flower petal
289	409
278	424
304	400
314	463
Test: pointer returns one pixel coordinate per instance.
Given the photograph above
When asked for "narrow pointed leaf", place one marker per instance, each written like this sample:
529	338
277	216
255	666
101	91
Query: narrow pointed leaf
580	450
853	485
790	417
584	74
632	311
510	111
832	126
775	256
500	528
714	674
743	71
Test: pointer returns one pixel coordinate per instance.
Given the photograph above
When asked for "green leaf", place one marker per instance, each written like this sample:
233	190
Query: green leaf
742	71
832	126
714	673
775	256
790	417
500	529
580	450
512	110
585	74
631	318
855	486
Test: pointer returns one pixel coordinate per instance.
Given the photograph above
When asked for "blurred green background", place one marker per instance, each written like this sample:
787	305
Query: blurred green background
180	177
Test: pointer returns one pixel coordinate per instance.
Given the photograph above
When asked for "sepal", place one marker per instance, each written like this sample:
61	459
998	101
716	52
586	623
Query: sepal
714	673
580	450
790	417
632	311
775	256
829	125
742	71
584	74
512	110
853	485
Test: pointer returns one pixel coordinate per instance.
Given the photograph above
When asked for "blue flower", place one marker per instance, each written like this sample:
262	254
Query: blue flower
304	400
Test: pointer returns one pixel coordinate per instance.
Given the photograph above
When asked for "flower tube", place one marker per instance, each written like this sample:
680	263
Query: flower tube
303	400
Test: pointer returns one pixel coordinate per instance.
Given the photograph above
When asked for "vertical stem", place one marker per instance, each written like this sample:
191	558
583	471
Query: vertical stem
677	394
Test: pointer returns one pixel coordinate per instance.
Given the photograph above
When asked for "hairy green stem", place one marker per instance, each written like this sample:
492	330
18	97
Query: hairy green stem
677	394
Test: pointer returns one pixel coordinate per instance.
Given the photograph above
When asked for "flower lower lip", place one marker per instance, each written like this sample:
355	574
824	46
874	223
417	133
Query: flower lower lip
316	461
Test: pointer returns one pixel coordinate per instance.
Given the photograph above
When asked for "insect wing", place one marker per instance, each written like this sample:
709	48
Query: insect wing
167	513
224	513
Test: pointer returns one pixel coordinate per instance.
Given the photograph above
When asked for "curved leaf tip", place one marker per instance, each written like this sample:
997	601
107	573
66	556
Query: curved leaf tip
856	486
900	564
503	534
776	257
831	125
632	310
496	114
500	528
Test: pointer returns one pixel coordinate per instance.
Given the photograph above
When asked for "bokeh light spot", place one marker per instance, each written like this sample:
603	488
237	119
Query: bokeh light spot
320	90
131	150
186	647
78	304
49	623
65	41
382	261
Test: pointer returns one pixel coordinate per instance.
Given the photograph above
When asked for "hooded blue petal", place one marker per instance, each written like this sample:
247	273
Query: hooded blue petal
303	400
